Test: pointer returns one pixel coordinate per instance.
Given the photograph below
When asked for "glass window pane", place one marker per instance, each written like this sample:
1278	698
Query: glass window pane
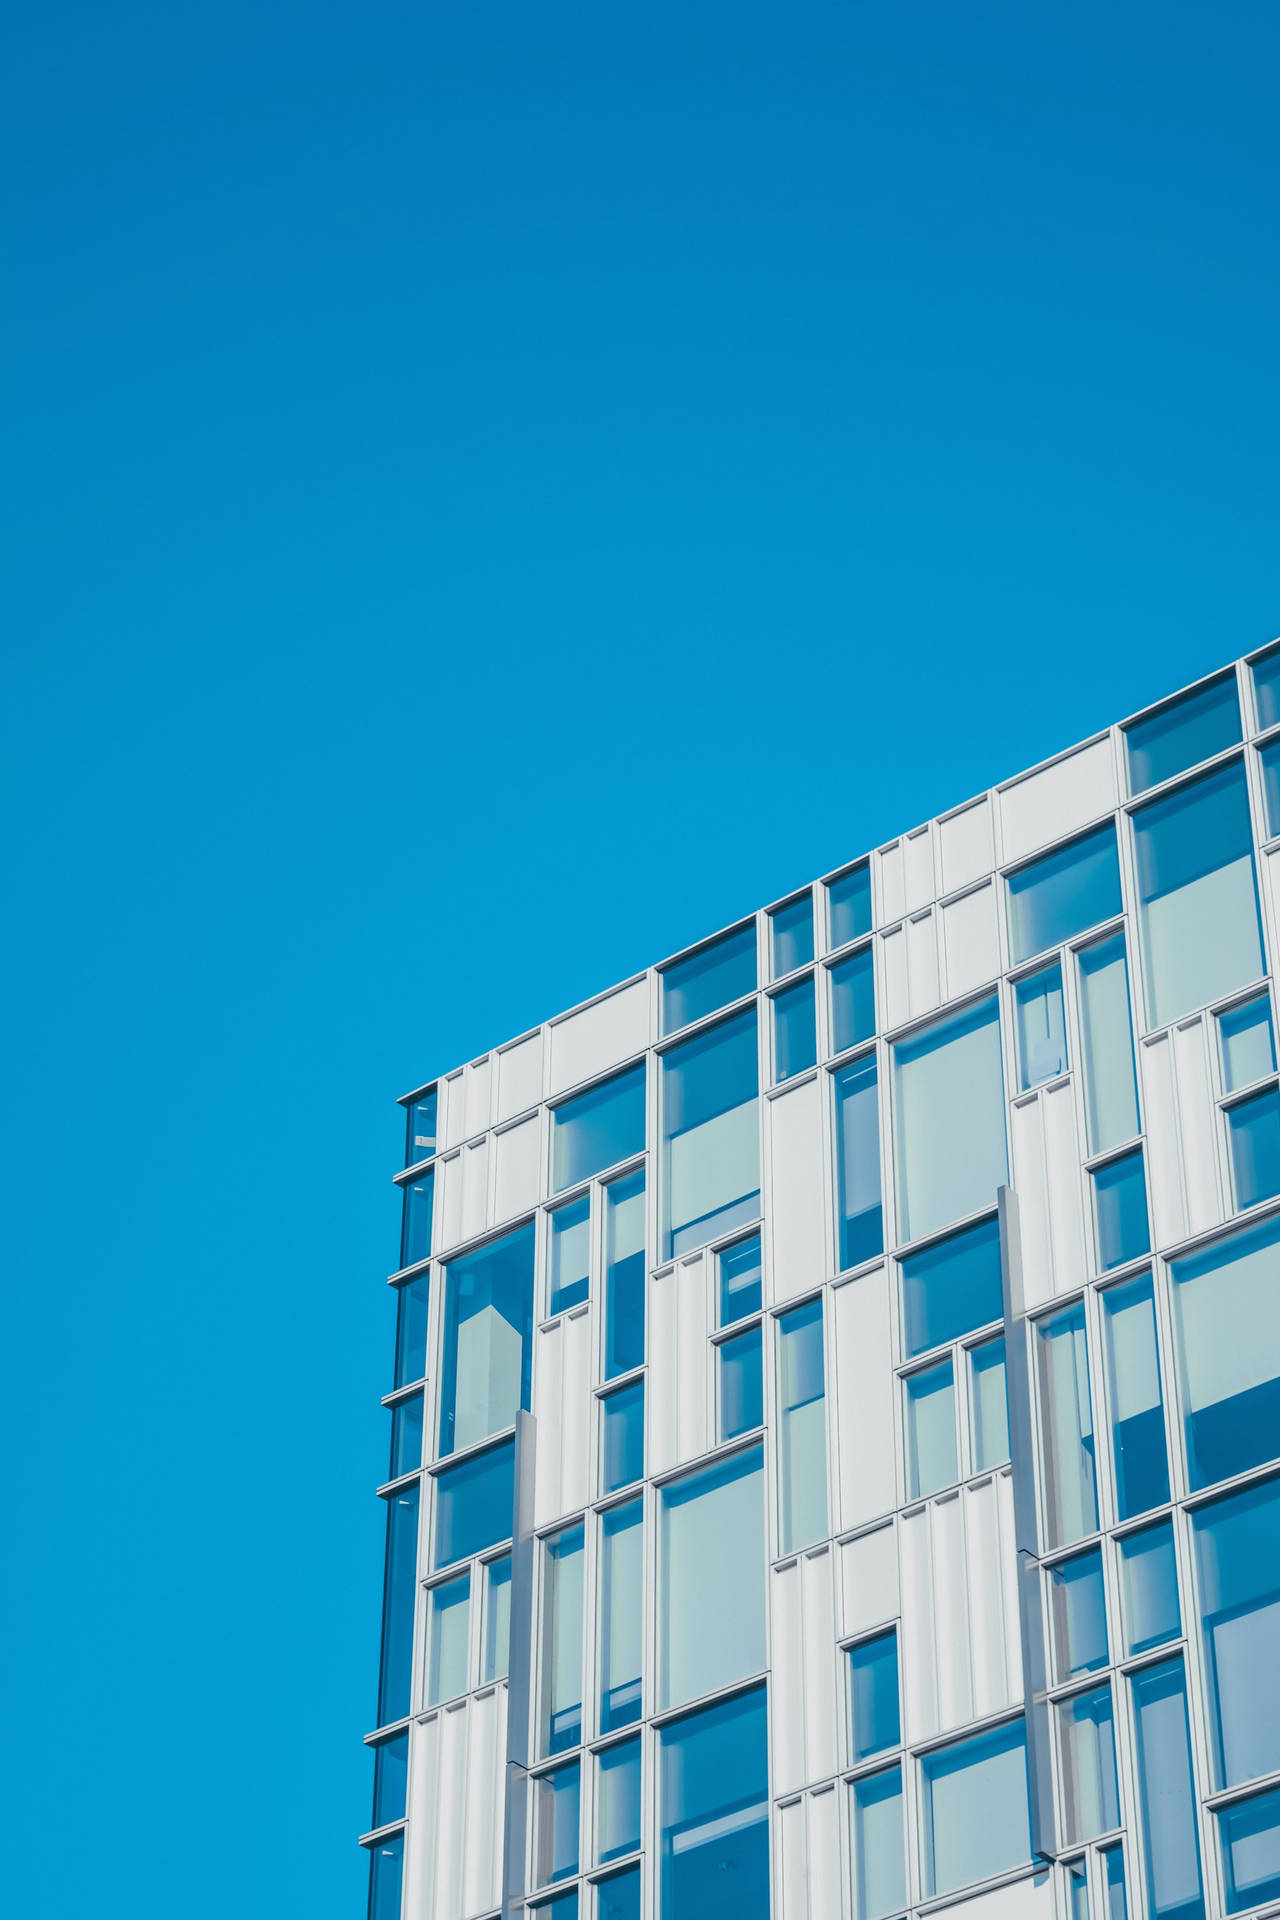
1266	688
931	1431
1250	1836
1120	1210
1269	763
1149	1588
989	1407
1091	1800
802	1428
618	1800
1166	1794
976	1814
495	1650
1042	1027
710	1133
711	1591
488	1340
386	1868
853	1000
560	1718
1237	1544
1070	1488
399	1590
1253	1127
740	1278
1058	896
390	1778
475	1503
447	1640
714	1811
860	1218
1138	1455
618	1897
1230	1384
952	1287
599	1128
1110	1089
622	1437
849	905
873	1695
558	1906
1183	733
1078	1614
879	1850
621	1614
412	1301
710	978
1116	1905
420	1128
948	1097
406	1437
570	1255
741	1384
1197	896
791	935
624	1225
415	1220
556	1810
1248	1045
795	1039
1077	1891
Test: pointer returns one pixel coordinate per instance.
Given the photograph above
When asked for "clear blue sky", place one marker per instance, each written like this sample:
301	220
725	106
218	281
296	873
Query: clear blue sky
480	480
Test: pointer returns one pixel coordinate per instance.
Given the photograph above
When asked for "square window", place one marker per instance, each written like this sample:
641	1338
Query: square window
975	1809
791	935
475	1503
740	1279
952	1287
622	1437
703	982
1054	898
1182	733
618	1895
1248	1046
1253	1127
598	1128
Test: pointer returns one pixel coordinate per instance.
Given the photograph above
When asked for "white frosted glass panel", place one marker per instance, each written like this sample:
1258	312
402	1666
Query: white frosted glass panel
712	1600
948	1121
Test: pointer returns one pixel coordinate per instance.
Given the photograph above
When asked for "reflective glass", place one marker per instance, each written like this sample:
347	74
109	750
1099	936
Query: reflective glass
621	1614
1183	733
1269	763
447	1640
618	1800
557	1801
791	935
714	1812
853	1000
618	1896
710	978
711	1591
1110	1088
1197	896
495	1648
488	1340
475	1503
976	1814
1077	1891
1248	1046
624	1275
1250	1835
412	1302
420	1129
802	1428
1253	1127
1042	1027
1266	688
1058	896
740	1277
860	1219
710	1133
741	1384
406	1437
560	1718
622	1437
1138	1457
1227	1320
1091	1799
1116	1905
415	1220
873	1695
398	1595
558	1906
1120	1210
795	1037
1070	1487
598	1128
931	1431
1238	1574
948	1099
390	1778
879	1850
570	1255
849	905
952	1287
1078	1611
386	1869
1166	1793
1149	1588
989	1405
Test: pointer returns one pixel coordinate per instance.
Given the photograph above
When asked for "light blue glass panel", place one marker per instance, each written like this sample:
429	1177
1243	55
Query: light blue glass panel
873	1695
495	1646
952	1287
931	1431
1120	1209
1166	1794
386	1870
1077	1891
618	1800
1253	1126
557	1803
1227	1320
795	1038
741	1384
420	1129
1269	762
853	1000
714	1812
624	1229
1070	1484
618	1896
1110	1088
989	1405
711	1133
791	935
406	1437
1149	1588
412	1302
1197	895
879	1849
948	1098
1250	1836
1064	892
488	1340
1116	1905
1266	687
398	1595
1181	734
1138	1457
415	1220
976	1814
560	1715
1078	1612
740	1279
710	978
447	1639
475	1503
711	1588
1042	1027
1091	1800
1248	1045
1238	1574
570	1255
860	1218
621	1614
598	1128
802	1428
557	1906
622	1438
849	905
390	1779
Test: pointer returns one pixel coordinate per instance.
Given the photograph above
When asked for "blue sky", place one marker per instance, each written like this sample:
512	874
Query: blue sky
481	483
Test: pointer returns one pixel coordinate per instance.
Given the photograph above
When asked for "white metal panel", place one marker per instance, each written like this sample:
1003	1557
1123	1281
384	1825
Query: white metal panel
959	1609
602	1035
950	1612
865	1408
967	845
516	1178
1008	1552
917	865
809	1855
795	1221
1196	1112
479	1085
793	1855
971	943
803	1638
562	1409
821	1680
679	1407
922	963
1031	1183
1062	1165
987	1623
1164	1173
1050	804
486	1762
892	890
520	1076
453	1851
1029	1899
660	1382
786	1721
448	1200
893	972
869	1579
475	1180
915	1640
452	1117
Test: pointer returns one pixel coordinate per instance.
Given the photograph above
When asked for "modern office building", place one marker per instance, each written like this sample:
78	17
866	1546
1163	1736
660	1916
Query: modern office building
835	1430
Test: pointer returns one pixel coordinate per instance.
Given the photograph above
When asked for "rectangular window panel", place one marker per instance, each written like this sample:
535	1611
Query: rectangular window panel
399	1590
975	1808
795	1037
802	1428
1115	1904
488	1340
873	1695
420	1128
1269	765
932	1460
853	1000
618	1800
1250	1836
860	1221
710	978
740	1279
1120	1211
597	1129
1166	1793
560	1717
622	1437
1149	1588
741	1384
557	1800
475	1503
879	1845
1253	1128
1063	893
948	1097
1248	1045
447	1639
1077	1890
1227	1320
1078	1615
1266	688
415	1220
791	935
624	1274
558	1906
495	1644
989	1405
1106	1029
1197	895
406	1437
849	905
952	1287
1138	1456
570	1255
412	1302
390	1779
621	1614
714	1812
711	1590
1237	1544
618	1895
1070	1486
1091	1799
711	1133
1042	1027
386	1871
1183	733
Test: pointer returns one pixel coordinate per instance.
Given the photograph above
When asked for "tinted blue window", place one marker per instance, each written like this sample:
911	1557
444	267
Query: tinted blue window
1269	761
1149	1588
559	1906
386	1868
412	1302
741	1384
1061	894
849	905
1138	1456
618	1800
1266	687
623	1442
1066	1427
1117	1905
624	1238
853	1000
1250	1835
873	1688
714	1802
711	1133
989	1414
795	1041
599	1128
1166	1793
1120	1202
1079	1613
570	1255
740	1277
1254	1127
560	1709
1238	1569
406	1437
556	1815
1091	1799
420	1129
1042	1029
398	1594
618	1897
860	1219
791	935
879	1852
1182	734
1248	1047
952	1287
932	1459
475	1503
390	1774
621	1624
1227	1319
488	1340
710	978
415	1221
976	1814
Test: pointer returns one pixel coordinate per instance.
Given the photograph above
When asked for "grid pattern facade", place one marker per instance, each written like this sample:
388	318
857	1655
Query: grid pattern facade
836	1409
